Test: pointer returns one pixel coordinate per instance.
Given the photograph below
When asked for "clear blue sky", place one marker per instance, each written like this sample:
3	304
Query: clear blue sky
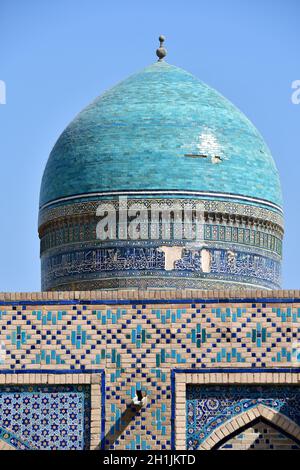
56	56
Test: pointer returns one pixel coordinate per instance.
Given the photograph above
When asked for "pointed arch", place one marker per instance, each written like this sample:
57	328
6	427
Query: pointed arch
244	420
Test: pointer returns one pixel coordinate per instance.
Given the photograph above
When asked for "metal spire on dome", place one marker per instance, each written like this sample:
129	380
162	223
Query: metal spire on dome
161	52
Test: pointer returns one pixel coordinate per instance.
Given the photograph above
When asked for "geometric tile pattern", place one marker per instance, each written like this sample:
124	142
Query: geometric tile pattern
46	417
207	407
139	343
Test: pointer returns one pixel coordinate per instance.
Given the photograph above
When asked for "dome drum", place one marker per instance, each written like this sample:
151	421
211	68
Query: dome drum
236	250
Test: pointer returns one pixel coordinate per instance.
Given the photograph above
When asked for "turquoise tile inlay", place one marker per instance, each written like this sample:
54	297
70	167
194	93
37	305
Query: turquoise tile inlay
18	337
198	335
78	337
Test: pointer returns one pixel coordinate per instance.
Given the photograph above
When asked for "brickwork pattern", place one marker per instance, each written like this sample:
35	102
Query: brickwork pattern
139	338
260	437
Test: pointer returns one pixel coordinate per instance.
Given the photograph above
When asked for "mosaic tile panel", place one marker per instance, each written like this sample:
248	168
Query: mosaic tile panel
142	261
207	407
46	417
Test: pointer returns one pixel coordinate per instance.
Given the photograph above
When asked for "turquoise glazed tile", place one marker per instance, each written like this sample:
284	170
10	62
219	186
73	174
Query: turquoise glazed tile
140	130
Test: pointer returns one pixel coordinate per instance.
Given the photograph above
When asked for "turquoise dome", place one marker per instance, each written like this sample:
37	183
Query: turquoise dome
168	142
161	130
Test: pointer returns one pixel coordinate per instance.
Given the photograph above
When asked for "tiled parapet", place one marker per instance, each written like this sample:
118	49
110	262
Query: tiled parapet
139	339
159	295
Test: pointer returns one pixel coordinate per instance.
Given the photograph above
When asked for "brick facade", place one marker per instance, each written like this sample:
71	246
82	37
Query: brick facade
118	342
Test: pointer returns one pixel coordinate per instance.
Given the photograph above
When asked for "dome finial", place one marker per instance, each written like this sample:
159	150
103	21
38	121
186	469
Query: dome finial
161	52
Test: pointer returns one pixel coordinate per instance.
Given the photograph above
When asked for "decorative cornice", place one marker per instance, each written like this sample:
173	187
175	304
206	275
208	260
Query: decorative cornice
231	211
158	295
170	193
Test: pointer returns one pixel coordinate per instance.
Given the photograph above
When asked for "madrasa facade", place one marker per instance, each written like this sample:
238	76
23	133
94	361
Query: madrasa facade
161	323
